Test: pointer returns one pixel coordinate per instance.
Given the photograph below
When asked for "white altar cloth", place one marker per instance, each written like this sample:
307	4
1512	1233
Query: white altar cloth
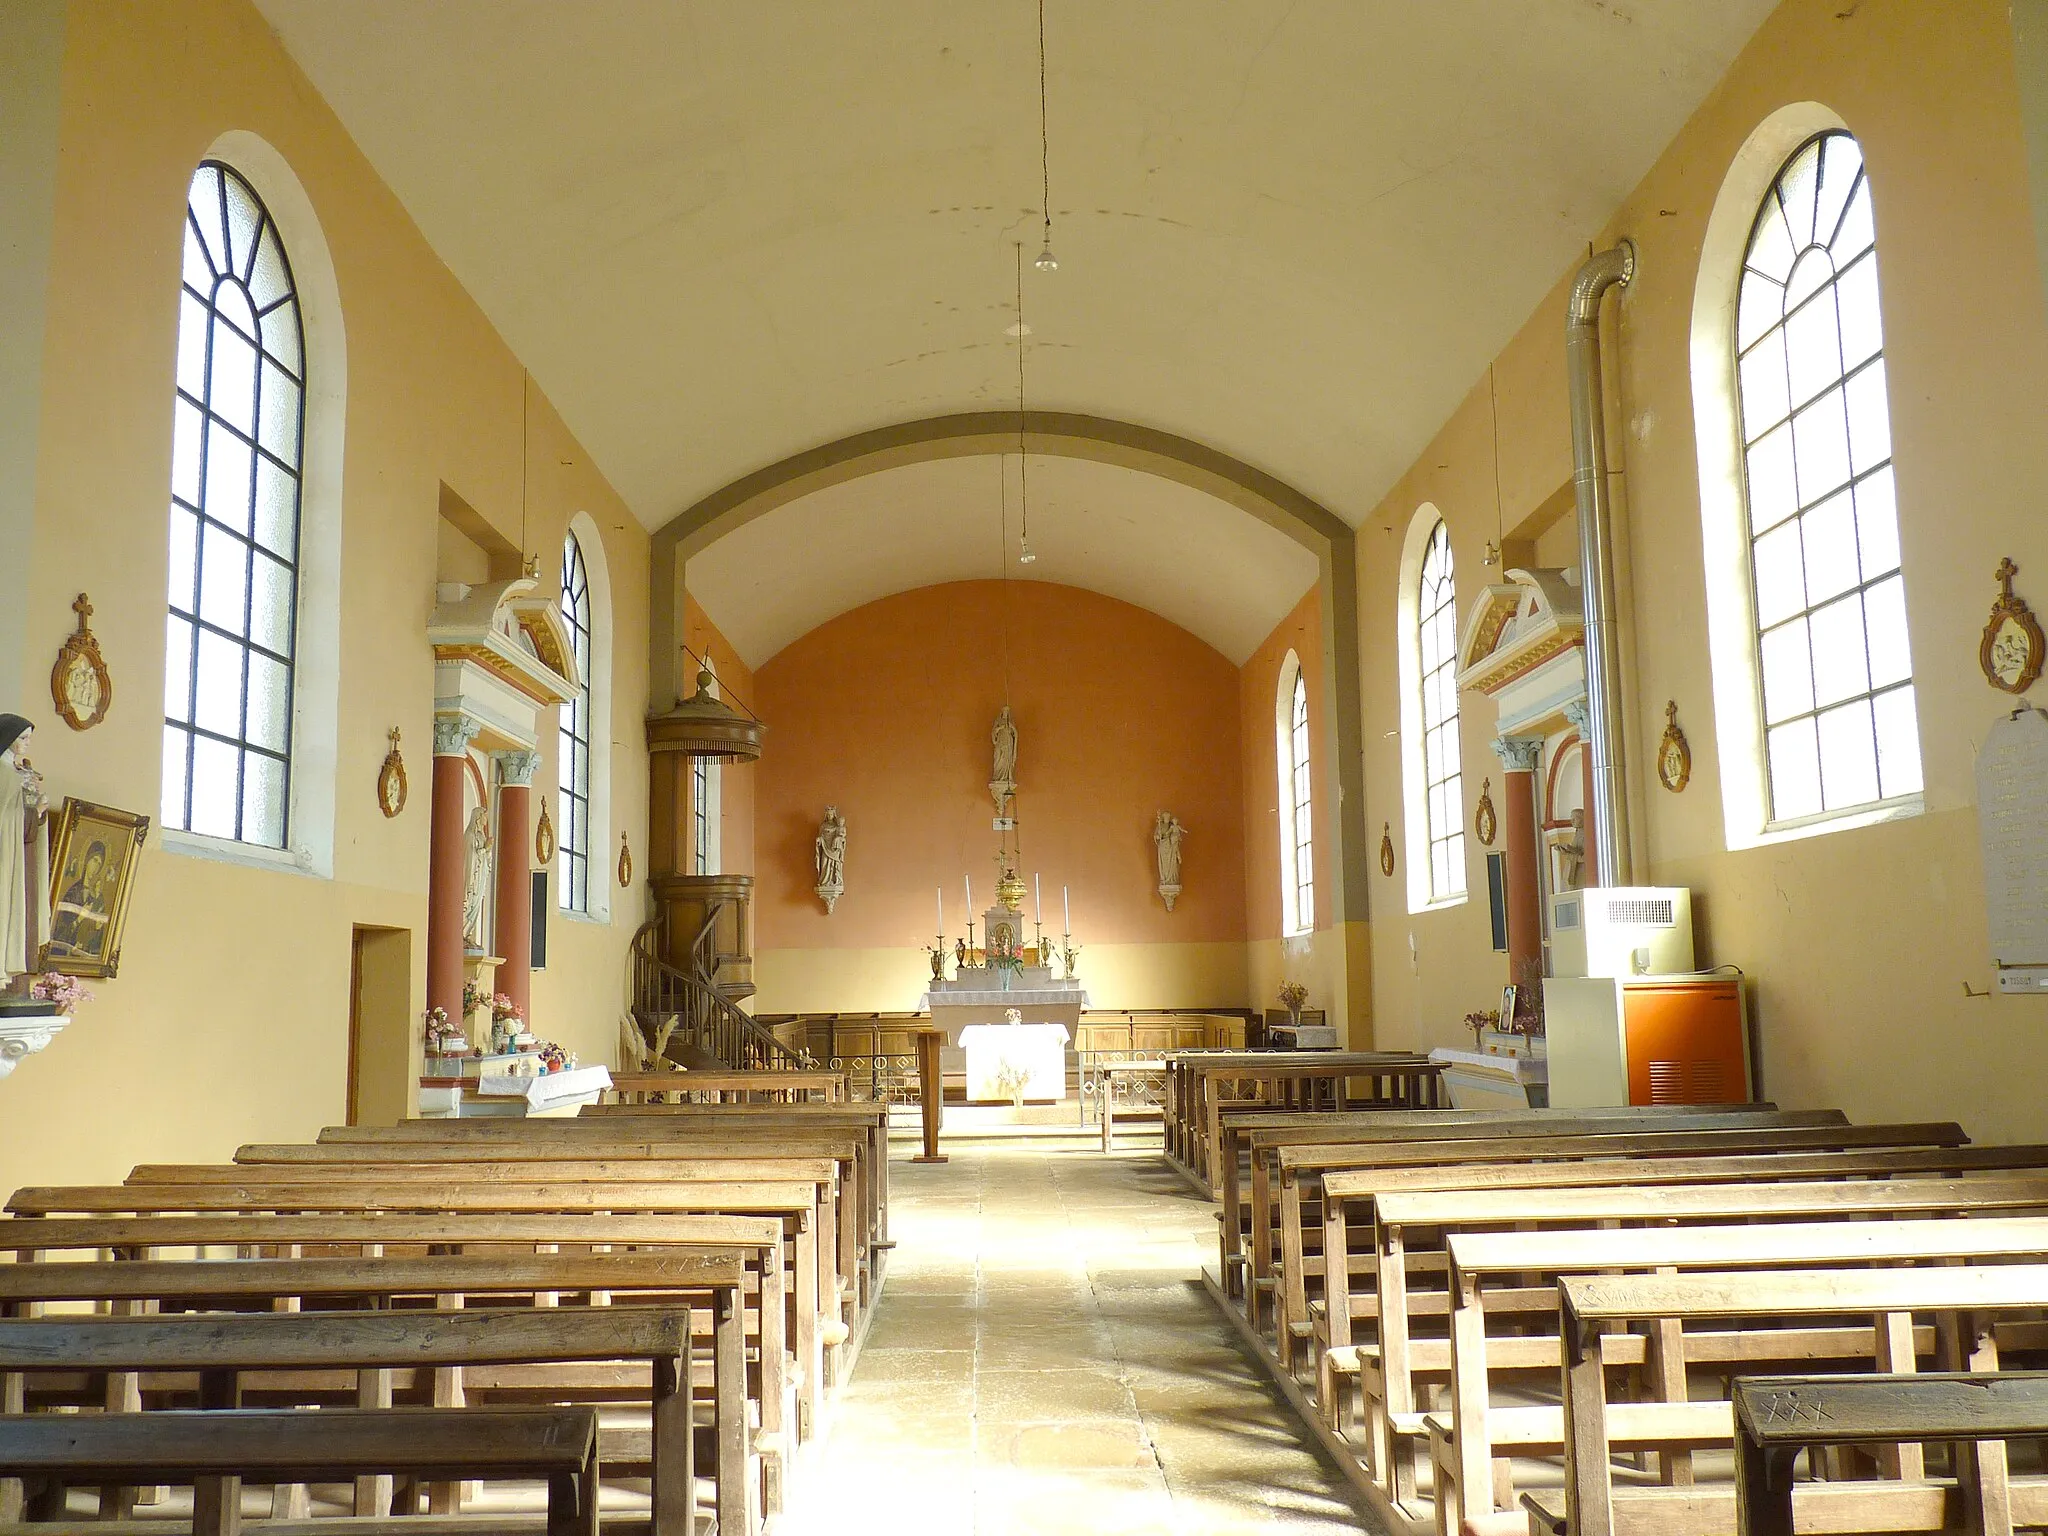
1037	1050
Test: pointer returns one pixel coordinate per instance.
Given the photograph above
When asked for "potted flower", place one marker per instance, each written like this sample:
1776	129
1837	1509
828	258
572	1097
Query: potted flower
63	993
1293	997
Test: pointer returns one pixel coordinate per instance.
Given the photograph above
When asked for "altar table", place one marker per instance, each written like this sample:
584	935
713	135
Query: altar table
1038	1050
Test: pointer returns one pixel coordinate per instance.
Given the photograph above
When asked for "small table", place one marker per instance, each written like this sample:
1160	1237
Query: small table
1110	1071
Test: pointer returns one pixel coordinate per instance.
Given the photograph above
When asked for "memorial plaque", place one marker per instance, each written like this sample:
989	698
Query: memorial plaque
2012	820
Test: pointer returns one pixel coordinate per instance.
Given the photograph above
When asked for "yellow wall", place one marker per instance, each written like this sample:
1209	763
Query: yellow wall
229	1021
1861	942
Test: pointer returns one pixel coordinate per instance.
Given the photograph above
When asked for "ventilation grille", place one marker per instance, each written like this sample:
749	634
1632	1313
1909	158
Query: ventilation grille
1692	1082
1565	915
1642	912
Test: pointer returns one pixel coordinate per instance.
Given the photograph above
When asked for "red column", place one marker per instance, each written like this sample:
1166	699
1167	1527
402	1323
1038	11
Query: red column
448	856
515	879
1519	756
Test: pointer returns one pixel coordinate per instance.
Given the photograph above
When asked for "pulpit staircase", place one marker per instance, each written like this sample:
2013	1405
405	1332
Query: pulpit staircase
686	1017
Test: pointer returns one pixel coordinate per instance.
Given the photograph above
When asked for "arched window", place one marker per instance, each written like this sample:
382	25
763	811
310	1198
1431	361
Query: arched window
1436	638
1297	839
572	762
704	808
238	426
1834	673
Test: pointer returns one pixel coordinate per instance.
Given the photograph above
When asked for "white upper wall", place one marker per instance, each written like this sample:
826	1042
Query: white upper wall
720	234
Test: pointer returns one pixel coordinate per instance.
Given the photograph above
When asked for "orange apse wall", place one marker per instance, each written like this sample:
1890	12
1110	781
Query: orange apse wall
885	712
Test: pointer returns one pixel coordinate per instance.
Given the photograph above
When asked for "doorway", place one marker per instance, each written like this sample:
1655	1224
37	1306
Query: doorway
381	1059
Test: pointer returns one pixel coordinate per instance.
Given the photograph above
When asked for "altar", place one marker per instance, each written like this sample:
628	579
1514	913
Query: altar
1008	1061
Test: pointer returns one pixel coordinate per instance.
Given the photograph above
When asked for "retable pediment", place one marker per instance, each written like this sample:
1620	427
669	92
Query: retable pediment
1517	626
512	630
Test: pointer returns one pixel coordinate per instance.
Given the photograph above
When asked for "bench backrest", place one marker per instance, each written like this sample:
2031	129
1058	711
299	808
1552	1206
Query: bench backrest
64	1234
721	1170
450	1195
1469	1208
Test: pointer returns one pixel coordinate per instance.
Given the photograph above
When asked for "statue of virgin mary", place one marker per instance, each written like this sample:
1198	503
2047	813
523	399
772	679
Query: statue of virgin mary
21	804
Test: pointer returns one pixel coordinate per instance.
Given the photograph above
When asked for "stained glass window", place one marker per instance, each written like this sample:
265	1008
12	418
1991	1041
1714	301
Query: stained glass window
1443	783
1834	668
237	425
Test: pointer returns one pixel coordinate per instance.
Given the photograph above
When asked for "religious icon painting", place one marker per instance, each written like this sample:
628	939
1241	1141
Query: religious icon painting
80	685
1386	848
1485	823
391	780
2011	651
93	853
1674	753
625	862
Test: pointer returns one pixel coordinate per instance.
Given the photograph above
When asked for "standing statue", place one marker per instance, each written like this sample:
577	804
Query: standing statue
1570	847
477	837
830	853
1003	784
1166	835
21	806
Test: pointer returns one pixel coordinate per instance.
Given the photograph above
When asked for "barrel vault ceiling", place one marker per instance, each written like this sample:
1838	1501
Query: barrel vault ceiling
719	234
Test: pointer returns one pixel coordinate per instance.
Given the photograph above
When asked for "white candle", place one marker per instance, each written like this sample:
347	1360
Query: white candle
942	910
1066	912
1037	901
967	885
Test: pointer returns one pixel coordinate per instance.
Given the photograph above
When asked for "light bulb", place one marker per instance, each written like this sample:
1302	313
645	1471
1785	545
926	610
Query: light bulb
1024	555
1046	262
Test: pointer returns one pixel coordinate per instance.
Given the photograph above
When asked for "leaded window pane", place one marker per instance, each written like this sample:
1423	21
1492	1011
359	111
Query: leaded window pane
237	432
1436	611
1833	660
572	768
1303	882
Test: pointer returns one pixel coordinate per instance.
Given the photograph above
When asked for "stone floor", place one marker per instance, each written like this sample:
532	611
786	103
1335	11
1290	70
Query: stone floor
1044	1360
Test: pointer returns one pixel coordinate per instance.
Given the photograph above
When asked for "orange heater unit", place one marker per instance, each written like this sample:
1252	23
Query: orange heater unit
1647	1040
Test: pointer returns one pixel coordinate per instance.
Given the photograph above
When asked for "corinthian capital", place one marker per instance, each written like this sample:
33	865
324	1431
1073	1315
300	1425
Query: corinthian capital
453	734
517	768
1518	754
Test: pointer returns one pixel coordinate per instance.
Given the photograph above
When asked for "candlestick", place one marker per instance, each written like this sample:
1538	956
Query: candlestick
1066	911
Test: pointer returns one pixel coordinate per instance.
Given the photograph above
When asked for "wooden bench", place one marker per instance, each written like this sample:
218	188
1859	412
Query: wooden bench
1188	1087
1557	1141
1527	1264
1349	1196
817	1327
215	1451
221	1350
1969	1301
1556	1136
1778	1416
1107	1074
794	1086
1252	1137
711	1279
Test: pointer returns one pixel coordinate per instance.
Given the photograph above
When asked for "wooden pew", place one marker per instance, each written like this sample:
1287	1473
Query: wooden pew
1285	1079
794	1204
467	1140
215	1450
1778	1416
1405	1359
711	1279
1188	1088
1969	1302
1551	1140
766	1087
1318	1149
221	1351
1349	1196
1468	1438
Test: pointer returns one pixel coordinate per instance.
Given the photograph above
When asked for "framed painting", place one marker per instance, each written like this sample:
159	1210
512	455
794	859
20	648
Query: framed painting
93	853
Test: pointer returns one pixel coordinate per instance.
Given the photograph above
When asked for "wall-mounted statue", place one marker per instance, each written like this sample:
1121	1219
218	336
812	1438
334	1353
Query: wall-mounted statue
1166	835
1570	848
21	808
830	851
1002	782
477	838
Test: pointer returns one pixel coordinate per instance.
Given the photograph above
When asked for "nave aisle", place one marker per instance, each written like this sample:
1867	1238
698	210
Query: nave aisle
1043	1360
